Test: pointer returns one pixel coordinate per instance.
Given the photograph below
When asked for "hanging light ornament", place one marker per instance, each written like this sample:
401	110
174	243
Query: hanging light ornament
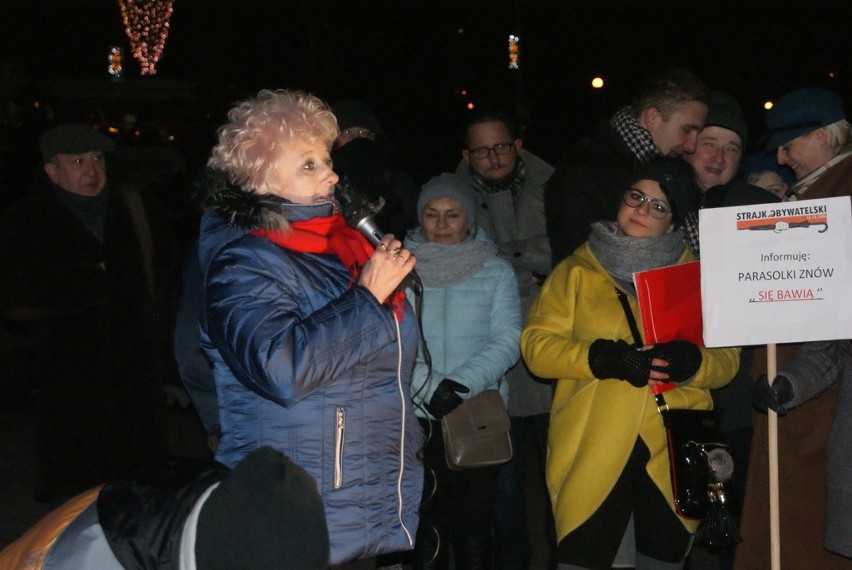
146	23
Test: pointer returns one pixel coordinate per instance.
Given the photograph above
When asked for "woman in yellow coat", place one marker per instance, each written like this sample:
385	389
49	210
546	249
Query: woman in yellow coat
607	466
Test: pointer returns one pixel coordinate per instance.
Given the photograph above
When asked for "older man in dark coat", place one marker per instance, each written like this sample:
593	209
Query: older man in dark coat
76	276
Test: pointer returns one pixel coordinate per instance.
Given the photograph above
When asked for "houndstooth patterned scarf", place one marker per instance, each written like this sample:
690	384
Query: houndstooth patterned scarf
637	139
513	182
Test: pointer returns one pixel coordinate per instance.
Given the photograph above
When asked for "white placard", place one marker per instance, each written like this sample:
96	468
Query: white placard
775	273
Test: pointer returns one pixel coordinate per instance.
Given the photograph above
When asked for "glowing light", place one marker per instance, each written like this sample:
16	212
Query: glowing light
470	106
114	62
597	82
146	23
461	31
768	105
464	92
832	75
514	52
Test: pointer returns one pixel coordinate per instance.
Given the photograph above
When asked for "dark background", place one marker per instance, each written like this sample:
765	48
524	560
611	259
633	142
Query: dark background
409	61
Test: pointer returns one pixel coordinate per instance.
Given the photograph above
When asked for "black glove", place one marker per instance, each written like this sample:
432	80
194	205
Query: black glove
775	397
445	399
684	359
617	359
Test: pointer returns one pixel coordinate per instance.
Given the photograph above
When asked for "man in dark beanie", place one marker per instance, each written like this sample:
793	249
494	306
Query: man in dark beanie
716	162
77	279
186	515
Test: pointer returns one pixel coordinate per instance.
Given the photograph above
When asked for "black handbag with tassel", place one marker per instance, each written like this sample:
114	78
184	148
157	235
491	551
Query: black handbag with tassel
700	462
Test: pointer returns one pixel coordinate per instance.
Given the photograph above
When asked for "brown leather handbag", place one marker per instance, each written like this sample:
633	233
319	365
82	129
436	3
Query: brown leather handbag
476	434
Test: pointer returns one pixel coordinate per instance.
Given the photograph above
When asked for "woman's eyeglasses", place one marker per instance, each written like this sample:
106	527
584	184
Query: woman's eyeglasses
658	209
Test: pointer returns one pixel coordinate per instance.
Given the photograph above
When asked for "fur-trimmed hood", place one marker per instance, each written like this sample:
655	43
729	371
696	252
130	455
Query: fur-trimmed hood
217	194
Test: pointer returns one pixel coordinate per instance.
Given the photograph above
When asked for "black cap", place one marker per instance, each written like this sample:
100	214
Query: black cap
677	179
267	513
73	138
351	113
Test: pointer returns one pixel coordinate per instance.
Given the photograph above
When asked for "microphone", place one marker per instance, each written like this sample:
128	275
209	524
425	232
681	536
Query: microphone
367	226
358	210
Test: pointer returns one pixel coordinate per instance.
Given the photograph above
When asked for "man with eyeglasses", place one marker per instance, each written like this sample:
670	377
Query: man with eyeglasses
509	182
662	120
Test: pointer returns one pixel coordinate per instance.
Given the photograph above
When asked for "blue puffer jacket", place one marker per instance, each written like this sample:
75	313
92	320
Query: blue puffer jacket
472	330
313	366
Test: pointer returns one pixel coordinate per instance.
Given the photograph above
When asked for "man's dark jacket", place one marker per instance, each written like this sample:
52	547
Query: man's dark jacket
586	187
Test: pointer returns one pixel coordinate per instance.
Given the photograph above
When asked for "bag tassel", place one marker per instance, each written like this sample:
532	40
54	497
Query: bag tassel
718	529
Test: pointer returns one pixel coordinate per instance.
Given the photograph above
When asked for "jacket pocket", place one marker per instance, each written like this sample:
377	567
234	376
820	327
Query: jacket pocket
339	440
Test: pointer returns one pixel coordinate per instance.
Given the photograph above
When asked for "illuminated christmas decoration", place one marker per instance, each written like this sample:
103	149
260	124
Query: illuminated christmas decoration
514	53
146	23
114	62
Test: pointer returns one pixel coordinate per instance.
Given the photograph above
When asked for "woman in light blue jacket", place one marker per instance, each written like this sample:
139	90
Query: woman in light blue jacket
471	319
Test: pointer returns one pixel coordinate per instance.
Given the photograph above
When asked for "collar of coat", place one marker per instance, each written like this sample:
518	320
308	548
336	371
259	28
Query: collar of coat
247	209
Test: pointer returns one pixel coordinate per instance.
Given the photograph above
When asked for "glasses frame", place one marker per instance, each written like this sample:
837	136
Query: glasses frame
652	203
499	149
358	132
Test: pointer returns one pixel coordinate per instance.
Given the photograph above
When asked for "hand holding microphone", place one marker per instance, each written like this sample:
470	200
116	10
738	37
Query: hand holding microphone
386	268
390	263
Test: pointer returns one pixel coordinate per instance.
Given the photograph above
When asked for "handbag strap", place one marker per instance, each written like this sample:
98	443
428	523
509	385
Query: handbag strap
631	320
637	339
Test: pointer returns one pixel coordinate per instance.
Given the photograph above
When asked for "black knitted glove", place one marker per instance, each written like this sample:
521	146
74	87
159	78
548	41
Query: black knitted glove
684	359
775	397
617	359
445	399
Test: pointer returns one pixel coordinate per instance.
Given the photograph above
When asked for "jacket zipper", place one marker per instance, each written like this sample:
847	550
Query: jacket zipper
339	432
399	496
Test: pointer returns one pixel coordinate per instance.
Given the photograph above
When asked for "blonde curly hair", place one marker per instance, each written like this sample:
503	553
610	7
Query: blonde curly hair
257	128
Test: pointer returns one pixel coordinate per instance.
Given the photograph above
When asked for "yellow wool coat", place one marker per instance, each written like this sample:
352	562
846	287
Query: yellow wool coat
594	423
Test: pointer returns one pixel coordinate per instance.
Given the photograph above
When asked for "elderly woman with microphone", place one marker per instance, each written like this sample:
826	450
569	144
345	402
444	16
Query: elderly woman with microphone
311	341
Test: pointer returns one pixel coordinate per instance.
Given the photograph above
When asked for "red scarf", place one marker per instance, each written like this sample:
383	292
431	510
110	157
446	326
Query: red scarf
331	235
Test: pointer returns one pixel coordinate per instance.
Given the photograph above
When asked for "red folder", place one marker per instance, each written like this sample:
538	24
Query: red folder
670	303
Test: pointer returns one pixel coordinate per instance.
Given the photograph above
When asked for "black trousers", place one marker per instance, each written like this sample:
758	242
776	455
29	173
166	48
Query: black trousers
455	512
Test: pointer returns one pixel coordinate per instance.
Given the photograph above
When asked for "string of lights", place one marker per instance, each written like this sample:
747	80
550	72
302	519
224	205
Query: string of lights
146	23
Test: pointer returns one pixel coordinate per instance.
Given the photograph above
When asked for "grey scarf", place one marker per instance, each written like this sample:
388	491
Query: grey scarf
440	265
622	256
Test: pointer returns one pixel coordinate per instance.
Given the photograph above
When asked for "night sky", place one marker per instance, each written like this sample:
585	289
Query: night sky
409	60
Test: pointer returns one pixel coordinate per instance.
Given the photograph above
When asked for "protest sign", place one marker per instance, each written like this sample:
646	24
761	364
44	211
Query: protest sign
775	273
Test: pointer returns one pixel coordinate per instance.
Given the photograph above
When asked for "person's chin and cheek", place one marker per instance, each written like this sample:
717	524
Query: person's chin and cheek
716	157
637	221
493	167
678	134
445	221
302	174
83	174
